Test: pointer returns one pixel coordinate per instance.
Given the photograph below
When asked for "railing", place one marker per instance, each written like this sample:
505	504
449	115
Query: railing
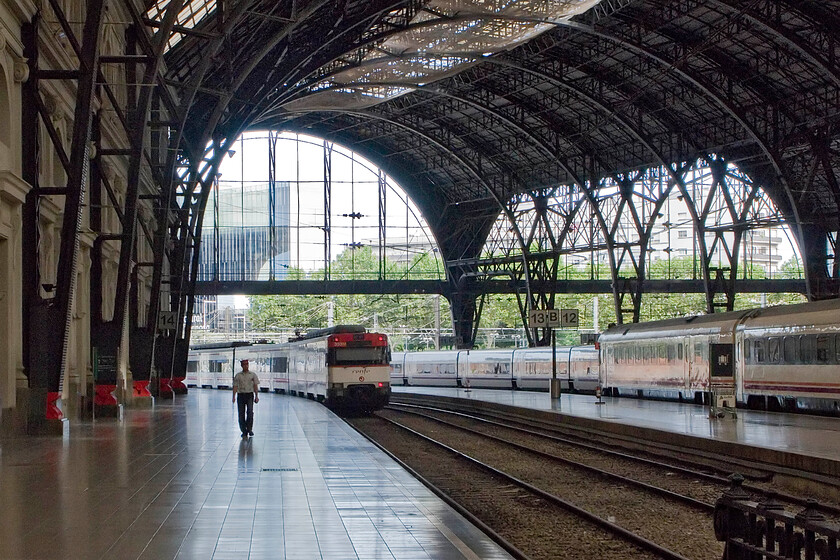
765	530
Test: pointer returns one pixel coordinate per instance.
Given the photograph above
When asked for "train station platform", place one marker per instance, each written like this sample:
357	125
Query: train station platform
177	481
789	441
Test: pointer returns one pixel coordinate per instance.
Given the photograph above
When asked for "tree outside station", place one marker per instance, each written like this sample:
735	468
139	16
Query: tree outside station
399	315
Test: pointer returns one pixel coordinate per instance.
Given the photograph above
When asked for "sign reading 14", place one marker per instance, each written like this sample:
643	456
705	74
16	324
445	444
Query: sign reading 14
167	320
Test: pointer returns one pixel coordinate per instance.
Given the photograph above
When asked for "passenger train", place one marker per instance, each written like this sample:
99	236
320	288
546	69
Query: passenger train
343	366
524	368
777	358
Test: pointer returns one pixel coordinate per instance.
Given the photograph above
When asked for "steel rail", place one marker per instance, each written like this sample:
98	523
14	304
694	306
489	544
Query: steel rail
485	528
651	462
609	526
699	504
724	480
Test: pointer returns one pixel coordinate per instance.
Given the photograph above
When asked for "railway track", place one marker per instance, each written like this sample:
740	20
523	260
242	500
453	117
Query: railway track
662	498
599	515
704	465
690	487
635	458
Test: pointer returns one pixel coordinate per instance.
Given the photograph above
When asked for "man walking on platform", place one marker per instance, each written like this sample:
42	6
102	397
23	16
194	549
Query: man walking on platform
246	389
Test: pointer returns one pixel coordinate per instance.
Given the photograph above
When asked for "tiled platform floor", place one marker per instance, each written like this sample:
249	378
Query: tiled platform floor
179	482
814	436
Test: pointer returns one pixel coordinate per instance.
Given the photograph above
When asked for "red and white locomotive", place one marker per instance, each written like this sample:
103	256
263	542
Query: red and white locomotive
343	366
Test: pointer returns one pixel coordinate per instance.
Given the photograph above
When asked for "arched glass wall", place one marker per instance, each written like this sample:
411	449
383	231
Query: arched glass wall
290	206
649	224
294	207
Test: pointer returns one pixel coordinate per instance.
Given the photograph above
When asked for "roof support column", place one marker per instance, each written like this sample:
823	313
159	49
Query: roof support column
814	246
465	315
49	320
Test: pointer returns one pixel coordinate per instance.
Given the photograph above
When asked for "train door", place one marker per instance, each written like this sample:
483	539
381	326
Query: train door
462	367
741	353
685	354
722	365
722	375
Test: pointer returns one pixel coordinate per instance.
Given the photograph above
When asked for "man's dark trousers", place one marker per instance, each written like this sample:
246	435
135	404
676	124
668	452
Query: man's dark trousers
245	402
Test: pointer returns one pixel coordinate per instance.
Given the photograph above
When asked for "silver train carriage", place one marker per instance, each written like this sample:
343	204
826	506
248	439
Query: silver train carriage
776	358
524	368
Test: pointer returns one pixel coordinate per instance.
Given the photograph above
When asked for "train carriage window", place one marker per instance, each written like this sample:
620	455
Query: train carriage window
760	355
824	348
837	349
661	351
791	345
773	351
192	366
374	355
671	352
279	364
747	346
806	349
679	352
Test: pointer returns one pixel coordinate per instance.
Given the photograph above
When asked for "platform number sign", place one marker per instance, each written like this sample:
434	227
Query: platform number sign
553	318
167	320
569	318
543	318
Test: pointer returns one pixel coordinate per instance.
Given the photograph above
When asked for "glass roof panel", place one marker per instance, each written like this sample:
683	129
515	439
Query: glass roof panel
191	14
443	39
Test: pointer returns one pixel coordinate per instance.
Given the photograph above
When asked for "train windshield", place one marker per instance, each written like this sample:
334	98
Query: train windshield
368	356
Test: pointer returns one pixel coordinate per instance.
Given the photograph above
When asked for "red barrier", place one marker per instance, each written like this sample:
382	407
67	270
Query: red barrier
104	395
177	384
53	411
165	387
141	389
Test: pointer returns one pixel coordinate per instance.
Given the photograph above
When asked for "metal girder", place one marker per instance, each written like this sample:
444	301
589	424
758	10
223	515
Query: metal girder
623	122
76	188
676	62
137	136
327	207
792	40
47	322
479	284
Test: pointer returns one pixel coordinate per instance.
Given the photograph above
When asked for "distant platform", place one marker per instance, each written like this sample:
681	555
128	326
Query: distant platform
177	481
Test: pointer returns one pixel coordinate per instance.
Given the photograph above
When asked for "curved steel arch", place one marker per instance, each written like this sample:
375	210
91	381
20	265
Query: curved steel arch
791	40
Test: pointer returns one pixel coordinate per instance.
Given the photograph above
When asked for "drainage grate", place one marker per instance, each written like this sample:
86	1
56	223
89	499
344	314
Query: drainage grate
285	469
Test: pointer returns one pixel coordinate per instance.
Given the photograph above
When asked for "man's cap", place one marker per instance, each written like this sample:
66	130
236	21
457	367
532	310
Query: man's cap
243	361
